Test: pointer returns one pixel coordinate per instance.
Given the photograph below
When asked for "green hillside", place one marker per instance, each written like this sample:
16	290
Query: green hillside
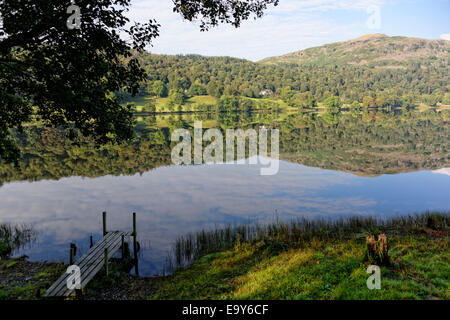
372	50
374	70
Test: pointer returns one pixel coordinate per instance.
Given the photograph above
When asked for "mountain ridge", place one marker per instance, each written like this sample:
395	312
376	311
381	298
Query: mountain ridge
371	50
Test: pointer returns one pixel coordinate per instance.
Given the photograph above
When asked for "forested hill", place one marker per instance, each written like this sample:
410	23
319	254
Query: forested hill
405	72
372	50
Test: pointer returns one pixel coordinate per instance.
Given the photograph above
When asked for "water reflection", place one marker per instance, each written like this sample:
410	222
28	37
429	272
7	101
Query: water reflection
62	189
368	144
174	200
14	237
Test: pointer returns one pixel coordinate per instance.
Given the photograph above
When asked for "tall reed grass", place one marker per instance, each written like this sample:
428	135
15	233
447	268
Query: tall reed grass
297	233
13	237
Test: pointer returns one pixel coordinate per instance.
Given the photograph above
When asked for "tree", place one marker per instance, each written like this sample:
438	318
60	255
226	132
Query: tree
63	76
368	102
177	97
197	89
68	75
332	103
159	89
303	100
230	91
211	13
228	103
286	94
213	89
446	99
150	107
356	105
158	137
246	105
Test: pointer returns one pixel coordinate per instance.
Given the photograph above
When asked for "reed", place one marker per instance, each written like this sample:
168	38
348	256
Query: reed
13	237
297	233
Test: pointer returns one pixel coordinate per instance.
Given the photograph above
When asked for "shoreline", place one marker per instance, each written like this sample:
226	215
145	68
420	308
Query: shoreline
322	267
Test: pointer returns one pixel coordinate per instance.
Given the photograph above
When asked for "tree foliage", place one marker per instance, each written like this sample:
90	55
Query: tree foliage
66	77
302	86
158	89
211	13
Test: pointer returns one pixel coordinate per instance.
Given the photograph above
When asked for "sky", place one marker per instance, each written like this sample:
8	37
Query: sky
295	25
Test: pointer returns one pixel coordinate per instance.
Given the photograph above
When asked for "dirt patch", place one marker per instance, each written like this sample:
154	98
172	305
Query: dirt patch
124	287
22	279
437	233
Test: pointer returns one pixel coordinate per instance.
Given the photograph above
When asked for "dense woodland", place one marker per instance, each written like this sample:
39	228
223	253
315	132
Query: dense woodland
299	85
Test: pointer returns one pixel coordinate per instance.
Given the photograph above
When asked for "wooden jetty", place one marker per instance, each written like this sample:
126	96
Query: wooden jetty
95	259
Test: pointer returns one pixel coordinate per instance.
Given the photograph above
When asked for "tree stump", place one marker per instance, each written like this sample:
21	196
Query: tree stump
377	250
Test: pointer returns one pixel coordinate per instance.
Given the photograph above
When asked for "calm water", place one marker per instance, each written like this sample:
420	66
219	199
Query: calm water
390	164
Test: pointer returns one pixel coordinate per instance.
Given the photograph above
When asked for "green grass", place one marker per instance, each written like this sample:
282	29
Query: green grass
198	100
280	103
304	260
193	104
321	270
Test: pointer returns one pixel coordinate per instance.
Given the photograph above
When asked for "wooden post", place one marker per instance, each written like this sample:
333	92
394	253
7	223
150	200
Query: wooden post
136	268
91	242
104	223
123	247
106	261
72	254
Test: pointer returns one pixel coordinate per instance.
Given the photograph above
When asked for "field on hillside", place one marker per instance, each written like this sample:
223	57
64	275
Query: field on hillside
203	103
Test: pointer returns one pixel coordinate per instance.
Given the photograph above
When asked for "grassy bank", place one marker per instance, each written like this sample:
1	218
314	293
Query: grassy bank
421	270
297	260
322	261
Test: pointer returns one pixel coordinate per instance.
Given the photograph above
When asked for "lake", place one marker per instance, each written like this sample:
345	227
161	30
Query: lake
372	163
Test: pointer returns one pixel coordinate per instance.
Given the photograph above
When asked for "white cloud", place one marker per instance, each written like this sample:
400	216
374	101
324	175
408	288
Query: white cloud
445	171
291	26
445	36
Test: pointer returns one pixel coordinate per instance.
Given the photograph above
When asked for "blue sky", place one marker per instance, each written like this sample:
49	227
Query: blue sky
296	25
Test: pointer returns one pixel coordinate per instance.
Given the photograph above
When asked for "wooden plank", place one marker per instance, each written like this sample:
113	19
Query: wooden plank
87	276
99	246
90	263
61	284
95	249
99	250
99	258
94	269
86	261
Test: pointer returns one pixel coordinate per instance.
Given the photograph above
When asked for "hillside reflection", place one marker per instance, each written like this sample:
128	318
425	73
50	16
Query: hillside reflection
366	143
